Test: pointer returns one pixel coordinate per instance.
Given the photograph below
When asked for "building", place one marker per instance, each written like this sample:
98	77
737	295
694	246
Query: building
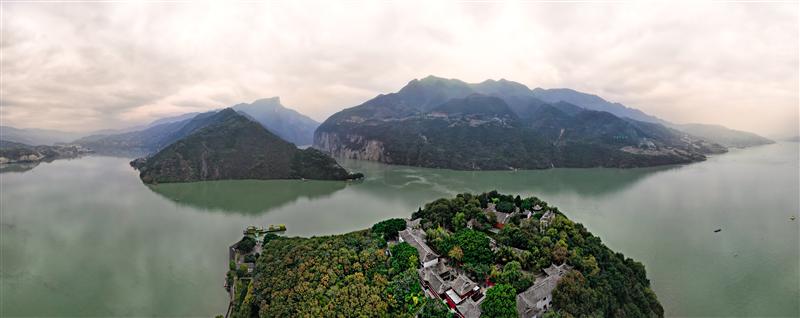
470	308
416	238
534	301
460	289
436	279
413	224
546	220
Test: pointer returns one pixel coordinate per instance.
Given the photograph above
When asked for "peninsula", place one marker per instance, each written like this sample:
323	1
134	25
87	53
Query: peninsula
489	254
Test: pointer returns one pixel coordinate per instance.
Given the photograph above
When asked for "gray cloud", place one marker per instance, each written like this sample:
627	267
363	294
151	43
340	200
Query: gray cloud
95	66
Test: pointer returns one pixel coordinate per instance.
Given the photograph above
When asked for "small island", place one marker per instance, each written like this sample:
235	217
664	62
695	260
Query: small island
229	145
490	255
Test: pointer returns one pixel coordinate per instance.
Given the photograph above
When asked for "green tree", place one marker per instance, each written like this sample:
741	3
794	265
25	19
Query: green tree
434	308
500	302
459	221
389	228
246	244
404	256
505	206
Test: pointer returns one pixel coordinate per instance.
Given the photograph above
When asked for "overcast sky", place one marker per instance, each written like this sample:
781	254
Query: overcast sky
109	65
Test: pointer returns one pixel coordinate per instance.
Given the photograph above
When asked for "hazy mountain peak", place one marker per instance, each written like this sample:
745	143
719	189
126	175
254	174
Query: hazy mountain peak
275	100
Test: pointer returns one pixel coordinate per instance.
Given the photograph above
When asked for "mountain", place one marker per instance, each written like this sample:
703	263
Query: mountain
286	123
592	102
145	141
15	152
35	137
447	123
722	135
228	145
712	133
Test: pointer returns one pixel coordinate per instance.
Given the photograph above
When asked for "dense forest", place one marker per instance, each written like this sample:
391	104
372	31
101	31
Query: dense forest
602	284
368	274
349	275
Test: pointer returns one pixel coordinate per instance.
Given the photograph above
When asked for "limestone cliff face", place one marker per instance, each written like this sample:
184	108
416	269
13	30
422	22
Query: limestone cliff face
350	146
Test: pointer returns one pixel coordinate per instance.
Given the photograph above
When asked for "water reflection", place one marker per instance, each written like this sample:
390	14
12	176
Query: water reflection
17	167
385	180
245	196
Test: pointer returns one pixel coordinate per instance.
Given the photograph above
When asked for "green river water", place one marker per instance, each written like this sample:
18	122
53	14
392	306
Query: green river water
85	237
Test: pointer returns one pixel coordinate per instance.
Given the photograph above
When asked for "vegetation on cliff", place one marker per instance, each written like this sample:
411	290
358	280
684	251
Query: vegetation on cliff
231	146
353	275
602	283
442	123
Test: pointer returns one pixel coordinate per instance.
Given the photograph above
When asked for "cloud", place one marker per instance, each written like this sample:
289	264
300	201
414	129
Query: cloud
109	65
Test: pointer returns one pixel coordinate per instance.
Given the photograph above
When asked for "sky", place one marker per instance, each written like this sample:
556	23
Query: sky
89	66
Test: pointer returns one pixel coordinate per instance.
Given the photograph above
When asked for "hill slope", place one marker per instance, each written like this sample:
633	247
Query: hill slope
712	133
231	146
724	136
286	123
442	123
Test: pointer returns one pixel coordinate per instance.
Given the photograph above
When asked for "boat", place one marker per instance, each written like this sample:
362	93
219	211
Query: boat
717	230
792	218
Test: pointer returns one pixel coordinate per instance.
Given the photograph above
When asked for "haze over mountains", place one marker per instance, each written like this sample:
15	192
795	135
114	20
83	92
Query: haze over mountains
228	145
536	128
284	122
447	123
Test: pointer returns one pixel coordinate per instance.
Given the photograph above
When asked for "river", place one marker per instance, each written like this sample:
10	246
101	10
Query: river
85	237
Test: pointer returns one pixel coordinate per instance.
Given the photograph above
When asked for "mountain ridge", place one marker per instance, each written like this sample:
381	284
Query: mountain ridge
424	124
286	123
231	146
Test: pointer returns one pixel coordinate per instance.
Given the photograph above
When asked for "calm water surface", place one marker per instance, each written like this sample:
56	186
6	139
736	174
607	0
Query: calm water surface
86	237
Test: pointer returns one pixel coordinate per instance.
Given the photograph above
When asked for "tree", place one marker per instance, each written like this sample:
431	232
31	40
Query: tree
500	302
560	252
246	245
475	246
459	221
505	206
512	275
434	308
404	256
389	228
241	271
406	291
456	253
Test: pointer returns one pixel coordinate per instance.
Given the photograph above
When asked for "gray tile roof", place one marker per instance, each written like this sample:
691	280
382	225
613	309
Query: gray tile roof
470	308
462	284
437	284
541	289
417	239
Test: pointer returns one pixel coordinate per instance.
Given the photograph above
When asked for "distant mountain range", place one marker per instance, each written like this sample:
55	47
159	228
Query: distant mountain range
286	123
35	136
228	145
447	123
